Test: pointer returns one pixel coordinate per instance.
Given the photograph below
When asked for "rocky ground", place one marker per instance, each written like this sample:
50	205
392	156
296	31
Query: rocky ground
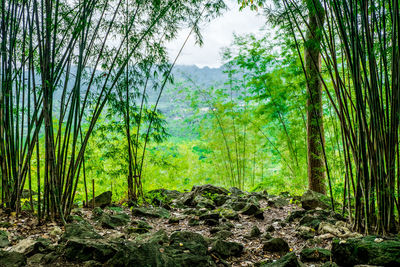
208	226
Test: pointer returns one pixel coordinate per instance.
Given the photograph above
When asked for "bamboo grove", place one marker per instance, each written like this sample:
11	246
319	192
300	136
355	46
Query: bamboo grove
62	64
360	58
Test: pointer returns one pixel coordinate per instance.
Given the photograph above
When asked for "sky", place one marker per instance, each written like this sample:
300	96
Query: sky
216	35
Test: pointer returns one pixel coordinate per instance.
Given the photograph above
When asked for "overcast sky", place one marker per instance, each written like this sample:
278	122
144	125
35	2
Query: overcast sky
216	35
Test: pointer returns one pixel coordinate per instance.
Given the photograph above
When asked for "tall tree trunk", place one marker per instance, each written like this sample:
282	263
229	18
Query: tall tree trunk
315	128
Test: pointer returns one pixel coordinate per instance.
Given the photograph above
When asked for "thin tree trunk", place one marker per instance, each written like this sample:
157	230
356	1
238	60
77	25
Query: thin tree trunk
315	129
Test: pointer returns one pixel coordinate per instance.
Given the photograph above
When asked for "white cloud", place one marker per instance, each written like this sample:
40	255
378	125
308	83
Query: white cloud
216	35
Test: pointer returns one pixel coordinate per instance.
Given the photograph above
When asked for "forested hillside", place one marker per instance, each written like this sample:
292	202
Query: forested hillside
113	154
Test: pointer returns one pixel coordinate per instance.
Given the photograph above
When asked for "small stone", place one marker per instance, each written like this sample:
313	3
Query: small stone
255	231
276	245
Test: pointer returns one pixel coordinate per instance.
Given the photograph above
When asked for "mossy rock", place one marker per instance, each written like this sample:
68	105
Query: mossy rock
114	221
315	255
103	200
223	234
289	260
209	216
227	249
312	200
12	259
193	242
4	242
151	212
276	245
236	191
278	202
81	250
366	250
255	232
250	209
80	231
229	214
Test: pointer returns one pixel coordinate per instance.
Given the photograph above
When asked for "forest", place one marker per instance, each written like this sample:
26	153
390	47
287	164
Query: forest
112	153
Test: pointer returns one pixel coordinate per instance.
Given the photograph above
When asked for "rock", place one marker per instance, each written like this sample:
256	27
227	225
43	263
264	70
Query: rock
296	215
220	228
226	249
80	231
50	257
276	245
278	202
193	242
259	195
208	216
366	251
12	259
136	230
184	249
163	196
310	221
209	189
103	200
339	230
151	212
211	222
236	191
255	232
114	221
229	214
203	202
315	255
4	242
312	200
81	250
289	260
270	228
30	246
36	259
237	205
266	236
259	215
56	232
220	200
141	227
305	232
250	209
223	234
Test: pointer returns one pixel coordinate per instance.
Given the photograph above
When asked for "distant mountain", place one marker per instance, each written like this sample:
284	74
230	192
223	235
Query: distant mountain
201	76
